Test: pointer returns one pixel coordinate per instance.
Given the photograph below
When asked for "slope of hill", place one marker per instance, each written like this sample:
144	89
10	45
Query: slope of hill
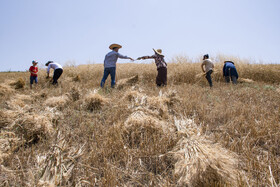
77	134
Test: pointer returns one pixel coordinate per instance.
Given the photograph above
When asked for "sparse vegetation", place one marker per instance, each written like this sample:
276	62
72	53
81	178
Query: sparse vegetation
185	134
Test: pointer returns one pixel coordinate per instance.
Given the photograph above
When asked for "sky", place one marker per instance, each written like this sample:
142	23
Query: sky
74	32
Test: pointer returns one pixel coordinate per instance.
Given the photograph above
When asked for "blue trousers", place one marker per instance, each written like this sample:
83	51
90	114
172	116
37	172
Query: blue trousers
109	71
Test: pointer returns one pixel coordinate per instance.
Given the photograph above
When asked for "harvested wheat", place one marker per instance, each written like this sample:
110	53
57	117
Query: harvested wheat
18	84
127	82
5	90
59	101
200	162
243	80
19	101
6	118
33	128
77	78
94	101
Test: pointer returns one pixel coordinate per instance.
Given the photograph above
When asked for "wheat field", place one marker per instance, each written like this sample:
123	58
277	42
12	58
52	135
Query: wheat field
137	134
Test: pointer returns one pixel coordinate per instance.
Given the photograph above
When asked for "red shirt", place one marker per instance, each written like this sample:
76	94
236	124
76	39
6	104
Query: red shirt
33	69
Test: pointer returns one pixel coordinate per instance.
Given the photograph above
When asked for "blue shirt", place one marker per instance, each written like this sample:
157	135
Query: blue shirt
230	70
111	59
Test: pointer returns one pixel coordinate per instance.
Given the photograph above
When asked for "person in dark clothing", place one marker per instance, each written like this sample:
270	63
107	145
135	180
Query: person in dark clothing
230	72
161	79
57	71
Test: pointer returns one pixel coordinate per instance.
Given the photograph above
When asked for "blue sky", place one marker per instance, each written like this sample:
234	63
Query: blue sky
80	31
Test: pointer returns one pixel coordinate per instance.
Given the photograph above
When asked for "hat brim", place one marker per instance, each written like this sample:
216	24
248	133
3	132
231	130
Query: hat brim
112	46
157	52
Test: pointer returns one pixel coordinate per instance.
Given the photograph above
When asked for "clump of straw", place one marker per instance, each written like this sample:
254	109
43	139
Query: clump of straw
77	78
75	94
33	128
59	101
127	82
6	118
200	162
243	80
94	101
5	89
18	84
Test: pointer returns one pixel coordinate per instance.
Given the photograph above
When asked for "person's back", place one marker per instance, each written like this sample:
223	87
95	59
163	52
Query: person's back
230	72
54	66
229	65
208	65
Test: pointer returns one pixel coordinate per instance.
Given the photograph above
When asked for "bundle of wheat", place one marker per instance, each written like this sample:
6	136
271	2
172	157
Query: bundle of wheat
20	83
127	82
75	94
19	101
8	143
77	78
58	165
243	80
200	162
33	128
6	117
5	90
59	101
140	119
94	101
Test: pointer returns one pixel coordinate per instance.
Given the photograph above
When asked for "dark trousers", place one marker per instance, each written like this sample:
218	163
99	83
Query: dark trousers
109	71
233	79
208	77
57	73
161	79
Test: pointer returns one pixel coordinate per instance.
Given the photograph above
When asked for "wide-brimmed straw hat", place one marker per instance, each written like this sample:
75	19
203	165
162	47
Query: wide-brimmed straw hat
112	46
158	51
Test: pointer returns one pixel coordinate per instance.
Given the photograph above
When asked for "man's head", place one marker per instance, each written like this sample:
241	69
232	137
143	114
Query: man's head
205	56
115	47
48	63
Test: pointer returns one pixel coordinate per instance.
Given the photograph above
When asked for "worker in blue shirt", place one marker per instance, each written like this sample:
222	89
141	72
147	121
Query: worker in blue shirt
230	72
110	64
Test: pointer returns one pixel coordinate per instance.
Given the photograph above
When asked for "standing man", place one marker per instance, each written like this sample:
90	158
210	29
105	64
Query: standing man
230	72
57	71
110	64
209	66
161	79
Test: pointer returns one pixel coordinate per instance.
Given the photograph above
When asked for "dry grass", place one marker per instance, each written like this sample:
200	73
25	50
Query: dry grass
185	134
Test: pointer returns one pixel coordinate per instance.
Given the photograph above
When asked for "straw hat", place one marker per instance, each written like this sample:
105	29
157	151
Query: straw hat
158	51
112	46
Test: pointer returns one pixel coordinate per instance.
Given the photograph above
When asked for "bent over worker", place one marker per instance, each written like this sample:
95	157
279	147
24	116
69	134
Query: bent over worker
161	79
230	72
58	70
110	64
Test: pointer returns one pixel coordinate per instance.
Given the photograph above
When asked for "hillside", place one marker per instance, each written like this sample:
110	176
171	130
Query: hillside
77	134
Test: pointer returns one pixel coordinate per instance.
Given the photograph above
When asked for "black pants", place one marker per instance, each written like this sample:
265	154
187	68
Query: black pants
208	77
162	77
57	73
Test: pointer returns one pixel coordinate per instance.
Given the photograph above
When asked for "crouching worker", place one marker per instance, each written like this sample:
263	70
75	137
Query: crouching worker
34	73
230	72
161	79
57	71
110	64
209	66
